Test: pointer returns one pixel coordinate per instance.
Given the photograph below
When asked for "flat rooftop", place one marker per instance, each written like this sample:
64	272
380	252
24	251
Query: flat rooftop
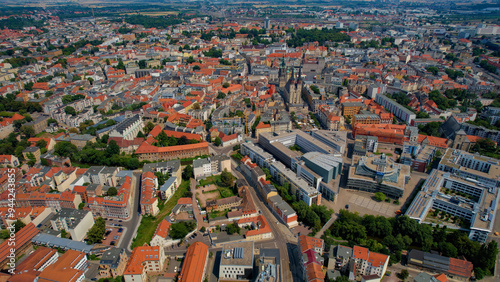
237	253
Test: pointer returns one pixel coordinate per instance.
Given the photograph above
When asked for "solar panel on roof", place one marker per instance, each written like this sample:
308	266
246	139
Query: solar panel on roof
238	253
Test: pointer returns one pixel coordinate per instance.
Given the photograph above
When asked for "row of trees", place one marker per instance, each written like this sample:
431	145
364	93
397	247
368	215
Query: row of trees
441	101
391	236
93	154
163	140
8	103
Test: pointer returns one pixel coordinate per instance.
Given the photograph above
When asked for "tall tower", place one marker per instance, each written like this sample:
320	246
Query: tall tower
268	23
283	73
294	88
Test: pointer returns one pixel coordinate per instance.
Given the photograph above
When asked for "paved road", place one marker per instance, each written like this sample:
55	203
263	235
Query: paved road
196	209
280	236
220	150
130	226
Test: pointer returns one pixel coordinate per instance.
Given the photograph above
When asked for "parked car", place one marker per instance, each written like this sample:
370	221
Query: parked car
120	230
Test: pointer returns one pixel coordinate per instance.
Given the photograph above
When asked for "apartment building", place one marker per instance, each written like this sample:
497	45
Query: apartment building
149	201
223	204
397	109
211	166
113	206
144	261
310	258
160	237
366	117
75	222
113	263
359	261
57	201
350	109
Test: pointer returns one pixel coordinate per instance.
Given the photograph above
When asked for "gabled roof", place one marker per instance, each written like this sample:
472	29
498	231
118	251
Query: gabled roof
162	229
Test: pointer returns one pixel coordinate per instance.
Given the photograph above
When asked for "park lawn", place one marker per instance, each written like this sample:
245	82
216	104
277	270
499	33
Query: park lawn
148	224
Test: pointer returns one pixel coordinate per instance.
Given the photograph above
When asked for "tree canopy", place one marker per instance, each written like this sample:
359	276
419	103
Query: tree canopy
96	232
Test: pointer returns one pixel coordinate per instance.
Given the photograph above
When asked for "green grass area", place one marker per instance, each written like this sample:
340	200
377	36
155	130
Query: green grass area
225	192
214	214
210	180
148	224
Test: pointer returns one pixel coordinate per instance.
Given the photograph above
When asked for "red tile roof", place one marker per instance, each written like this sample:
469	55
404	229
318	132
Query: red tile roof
194	263
162	229
360	253
139	256
460	267
306	243
185	201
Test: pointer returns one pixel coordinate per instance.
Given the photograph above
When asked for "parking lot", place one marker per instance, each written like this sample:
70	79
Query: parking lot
112	236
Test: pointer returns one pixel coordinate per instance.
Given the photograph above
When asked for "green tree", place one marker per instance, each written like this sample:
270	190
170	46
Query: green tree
181	229
96	232
28	86
76	78
149	126
196	67
70	111
133	163
226	178
65	149
32	159
233	228
18	225
379	196
27	131
41	143
217	141
112	148
404	274
112	191
187	173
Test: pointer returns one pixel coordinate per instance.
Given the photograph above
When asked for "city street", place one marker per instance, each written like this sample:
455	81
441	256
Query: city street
282	235
129	226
